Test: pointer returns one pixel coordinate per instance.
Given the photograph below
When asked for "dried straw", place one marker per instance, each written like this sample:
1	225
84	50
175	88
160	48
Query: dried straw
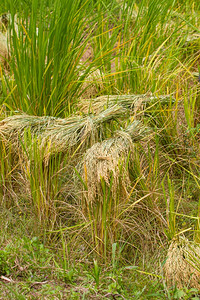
179	268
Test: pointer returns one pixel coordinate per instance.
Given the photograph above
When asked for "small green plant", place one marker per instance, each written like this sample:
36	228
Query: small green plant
96	273
4	265
13	293
185	294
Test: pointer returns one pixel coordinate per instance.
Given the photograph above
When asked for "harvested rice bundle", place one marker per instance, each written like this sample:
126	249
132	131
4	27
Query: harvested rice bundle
108	161
181	267
62	135
131	102
79	130
13	128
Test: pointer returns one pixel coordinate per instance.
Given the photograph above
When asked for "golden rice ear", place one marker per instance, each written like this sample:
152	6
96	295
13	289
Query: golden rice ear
109	159
179	268
101	162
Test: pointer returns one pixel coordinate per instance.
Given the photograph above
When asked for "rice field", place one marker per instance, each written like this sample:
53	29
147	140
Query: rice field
100	149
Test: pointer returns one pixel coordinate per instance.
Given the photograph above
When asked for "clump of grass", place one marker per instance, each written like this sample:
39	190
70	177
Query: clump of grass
179	268
8	166
45	53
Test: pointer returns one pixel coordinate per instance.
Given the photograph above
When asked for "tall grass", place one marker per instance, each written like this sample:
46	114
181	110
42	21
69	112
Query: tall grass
46	51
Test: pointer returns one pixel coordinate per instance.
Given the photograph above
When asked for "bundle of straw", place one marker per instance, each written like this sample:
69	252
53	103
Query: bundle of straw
79	132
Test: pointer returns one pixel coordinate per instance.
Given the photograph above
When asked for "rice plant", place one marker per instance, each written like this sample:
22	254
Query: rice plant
99	141
46	50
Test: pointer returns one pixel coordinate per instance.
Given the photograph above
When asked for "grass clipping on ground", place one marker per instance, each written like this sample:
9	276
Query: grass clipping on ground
181	267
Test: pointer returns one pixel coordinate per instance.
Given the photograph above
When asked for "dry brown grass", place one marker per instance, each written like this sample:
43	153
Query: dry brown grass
179	269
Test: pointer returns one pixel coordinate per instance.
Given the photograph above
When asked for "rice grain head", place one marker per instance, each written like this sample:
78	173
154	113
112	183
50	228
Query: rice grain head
179	268
109	159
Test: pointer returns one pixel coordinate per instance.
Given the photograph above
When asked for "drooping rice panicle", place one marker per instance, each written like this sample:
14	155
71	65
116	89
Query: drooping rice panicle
101	161
179	268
